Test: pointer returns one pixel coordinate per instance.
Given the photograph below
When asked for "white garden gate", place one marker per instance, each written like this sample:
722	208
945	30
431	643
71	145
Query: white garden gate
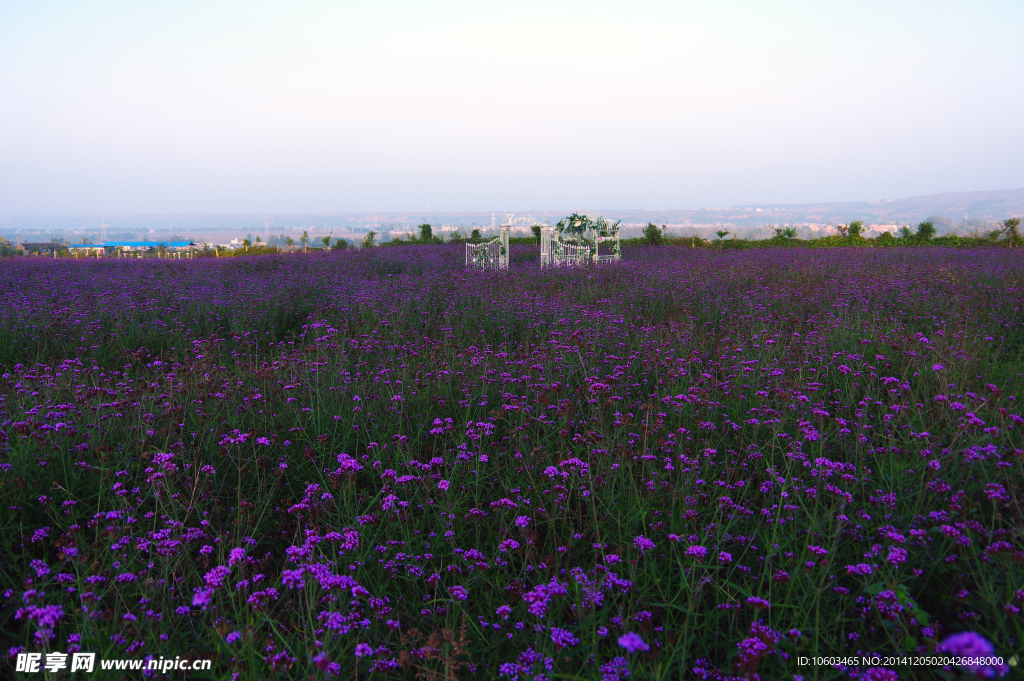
491	254
576	240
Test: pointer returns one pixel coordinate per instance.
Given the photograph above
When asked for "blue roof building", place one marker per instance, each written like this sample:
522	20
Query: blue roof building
136	245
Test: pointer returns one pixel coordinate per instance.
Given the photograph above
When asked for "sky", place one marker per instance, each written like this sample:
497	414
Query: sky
325	107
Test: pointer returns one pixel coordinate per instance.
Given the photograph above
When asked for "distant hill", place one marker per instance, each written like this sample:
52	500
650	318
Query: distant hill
976	207
991	205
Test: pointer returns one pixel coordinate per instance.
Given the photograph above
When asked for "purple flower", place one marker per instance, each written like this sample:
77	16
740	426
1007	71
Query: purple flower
633	643
233	636
617	668
362	650
217	575
937	367
752	649
235	556
443	485
643	543
758	603
458	593
562	638
724	557
697	552
201	599
522	521
972	644
996	492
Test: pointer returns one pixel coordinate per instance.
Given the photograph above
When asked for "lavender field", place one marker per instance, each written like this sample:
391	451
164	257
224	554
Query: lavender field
376	464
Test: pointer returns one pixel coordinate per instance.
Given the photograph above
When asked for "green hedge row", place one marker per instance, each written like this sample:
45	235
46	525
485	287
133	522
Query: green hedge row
885	240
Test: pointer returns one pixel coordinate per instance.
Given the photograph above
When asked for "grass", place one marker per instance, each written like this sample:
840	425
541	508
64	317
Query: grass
638	448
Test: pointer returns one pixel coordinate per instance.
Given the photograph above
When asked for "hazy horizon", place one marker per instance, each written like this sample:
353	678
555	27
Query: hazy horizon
250	108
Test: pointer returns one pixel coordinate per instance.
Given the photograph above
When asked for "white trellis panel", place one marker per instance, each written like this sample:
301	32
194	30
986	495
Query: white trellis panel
605	233
492	254
546	234
558	248
573	254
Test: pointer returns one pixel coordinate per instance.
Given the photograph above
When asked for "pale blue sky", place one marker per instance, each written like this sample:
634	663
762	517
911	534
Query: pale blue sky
186	107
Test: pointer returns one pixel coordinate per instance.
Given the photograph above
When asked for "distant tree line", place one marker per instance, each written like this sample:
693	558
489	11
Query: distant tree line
851	234
846	235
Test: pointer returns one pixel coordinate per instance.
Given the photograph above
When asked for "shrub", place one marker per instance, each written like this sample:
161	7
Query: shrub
653	236
1011	228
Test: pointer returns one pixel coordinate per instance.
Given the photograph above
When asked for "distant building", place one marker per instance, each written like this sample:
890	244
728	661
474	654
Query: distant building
136	245
47	247
146	245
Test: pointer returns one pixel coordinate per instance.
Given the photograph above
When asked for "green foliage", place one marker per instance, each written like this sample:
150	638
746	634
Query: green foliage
722	233
475	236
536	232
925	230
854	228
255	249
1011	228
575	225
368	239
426	233
904	232
339	245
653	236
326	241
